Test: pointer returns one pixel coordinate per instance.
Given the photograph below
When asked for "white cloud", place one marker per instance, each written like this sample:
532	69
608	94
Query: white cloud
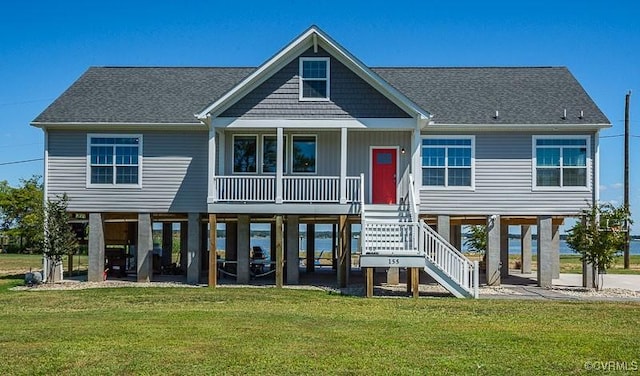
617	185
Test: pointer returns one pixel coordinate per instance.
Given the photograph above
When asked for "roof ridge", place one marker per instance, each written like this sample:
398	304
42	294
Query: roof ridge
475	67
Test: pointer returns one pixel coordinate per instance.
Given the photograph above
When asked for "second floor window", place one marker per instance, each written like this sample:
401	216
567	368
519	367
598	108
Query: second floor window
314	78
245	154
304	154
560	162
447	162
114	160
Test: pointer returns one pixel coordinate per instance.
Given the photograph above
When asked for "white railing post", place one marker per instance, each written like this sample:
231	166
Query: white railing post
343	165
279	164
476	279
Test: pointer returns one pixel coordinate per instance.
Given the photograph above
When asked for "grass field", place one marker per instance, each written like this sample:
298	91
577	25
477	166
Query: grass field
149	331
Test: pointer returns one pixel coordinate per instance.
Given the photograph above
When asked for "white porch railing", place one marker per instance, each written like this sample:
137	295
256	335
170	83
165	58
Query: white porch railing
390	238
311	188
355	184
245	188
320	189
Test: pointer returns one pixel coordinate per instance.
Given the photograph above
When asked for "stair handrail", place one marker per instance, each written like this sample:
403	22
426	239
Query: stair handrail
469	268
413	205
362	215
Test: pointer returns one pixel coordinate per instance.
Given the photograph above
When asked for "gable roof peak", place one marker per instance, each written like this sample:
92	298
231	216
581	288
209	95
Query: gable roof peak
312	37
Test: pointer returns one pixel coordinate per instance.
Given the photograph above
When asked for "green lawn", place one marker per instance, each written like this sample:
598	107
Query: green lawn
203	331
15	264
572	264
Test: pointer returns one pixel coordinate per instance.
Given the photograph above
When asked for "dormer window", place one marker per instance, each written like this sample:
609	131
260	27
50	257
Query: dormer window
314	78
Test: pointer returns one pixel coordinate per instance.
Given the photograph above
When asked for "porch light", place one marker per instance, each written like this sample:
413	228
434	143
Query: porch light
402	151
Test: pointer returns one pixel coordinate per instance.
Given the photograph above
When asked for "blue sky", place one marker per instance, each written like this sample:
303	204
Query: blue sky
45	46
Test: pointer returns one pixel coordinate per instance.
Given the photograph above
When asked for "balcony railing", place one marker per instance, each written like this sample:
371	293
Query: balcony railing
307	189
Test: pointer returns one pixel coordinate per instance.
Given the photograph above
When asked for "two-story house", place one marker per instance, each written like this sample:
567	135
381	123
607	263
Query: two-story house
312	136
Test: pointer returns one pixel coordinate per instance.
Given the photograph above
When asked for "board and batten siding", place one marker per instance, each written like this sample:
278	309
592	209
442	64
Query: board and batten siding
174	174
350	96
504	181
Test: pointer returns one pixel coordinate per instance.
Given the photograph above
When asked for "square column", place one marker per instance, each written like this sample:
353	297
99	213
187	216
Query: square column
456	236
193	249
555	248
525	249
504	250
96	248
145	248
167	243
344	251
293	249
444	227
545	251
244	245
231	246
393	276
311	247
184	237
493	251
279	164
279	251
213	250
589	275
343	165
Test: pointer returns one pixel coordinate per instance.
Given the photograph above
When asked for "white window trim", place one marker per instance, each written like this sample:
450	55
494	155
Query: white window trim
534	162
113	135
315	172
472	187
233	154
327	79
285	160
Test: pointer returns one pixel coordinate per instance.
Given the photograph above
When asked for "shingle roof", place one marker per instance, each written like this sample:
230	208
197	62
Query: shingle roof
522	95
142	95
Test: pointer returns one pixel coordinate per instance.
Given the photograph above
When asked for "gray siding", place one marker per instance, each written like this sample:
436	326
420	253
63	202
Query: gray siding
359	154
351	97
174	174
503	183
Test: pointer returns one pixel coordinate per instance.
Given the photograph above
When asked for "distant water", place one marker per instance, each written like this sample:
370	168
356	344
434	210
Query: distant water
324	245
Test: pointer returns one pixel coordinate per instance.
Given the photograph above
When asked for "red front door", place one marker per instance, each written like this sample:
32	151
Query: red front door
383	176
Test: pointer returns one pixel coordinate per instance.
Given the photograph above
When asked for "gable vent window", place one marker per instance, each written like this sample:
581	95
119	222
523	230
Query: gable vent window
314	78
114	160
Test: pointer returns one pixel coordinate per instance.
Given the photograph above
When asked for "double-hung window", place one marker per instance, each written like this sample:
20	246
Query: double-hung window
448	162
560	161
114	160
314	78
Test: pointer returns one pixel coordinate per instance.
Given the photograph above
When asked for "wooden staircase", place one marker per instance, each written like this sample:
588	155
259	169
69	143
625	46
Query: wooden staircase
393	237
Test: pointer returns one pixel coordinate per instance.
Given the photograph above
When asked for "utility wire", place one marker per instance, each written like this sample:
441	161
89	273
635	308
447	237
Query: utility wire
23	161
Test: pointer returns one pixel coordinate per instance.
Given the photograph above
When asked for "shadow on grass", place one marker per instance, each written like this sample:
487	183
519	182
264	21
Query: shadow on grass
13	276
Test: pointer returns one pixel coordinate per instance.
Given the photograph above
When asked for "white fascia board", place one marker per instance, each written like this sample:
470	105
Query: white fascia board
292	50
120	126
357	123
515	127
